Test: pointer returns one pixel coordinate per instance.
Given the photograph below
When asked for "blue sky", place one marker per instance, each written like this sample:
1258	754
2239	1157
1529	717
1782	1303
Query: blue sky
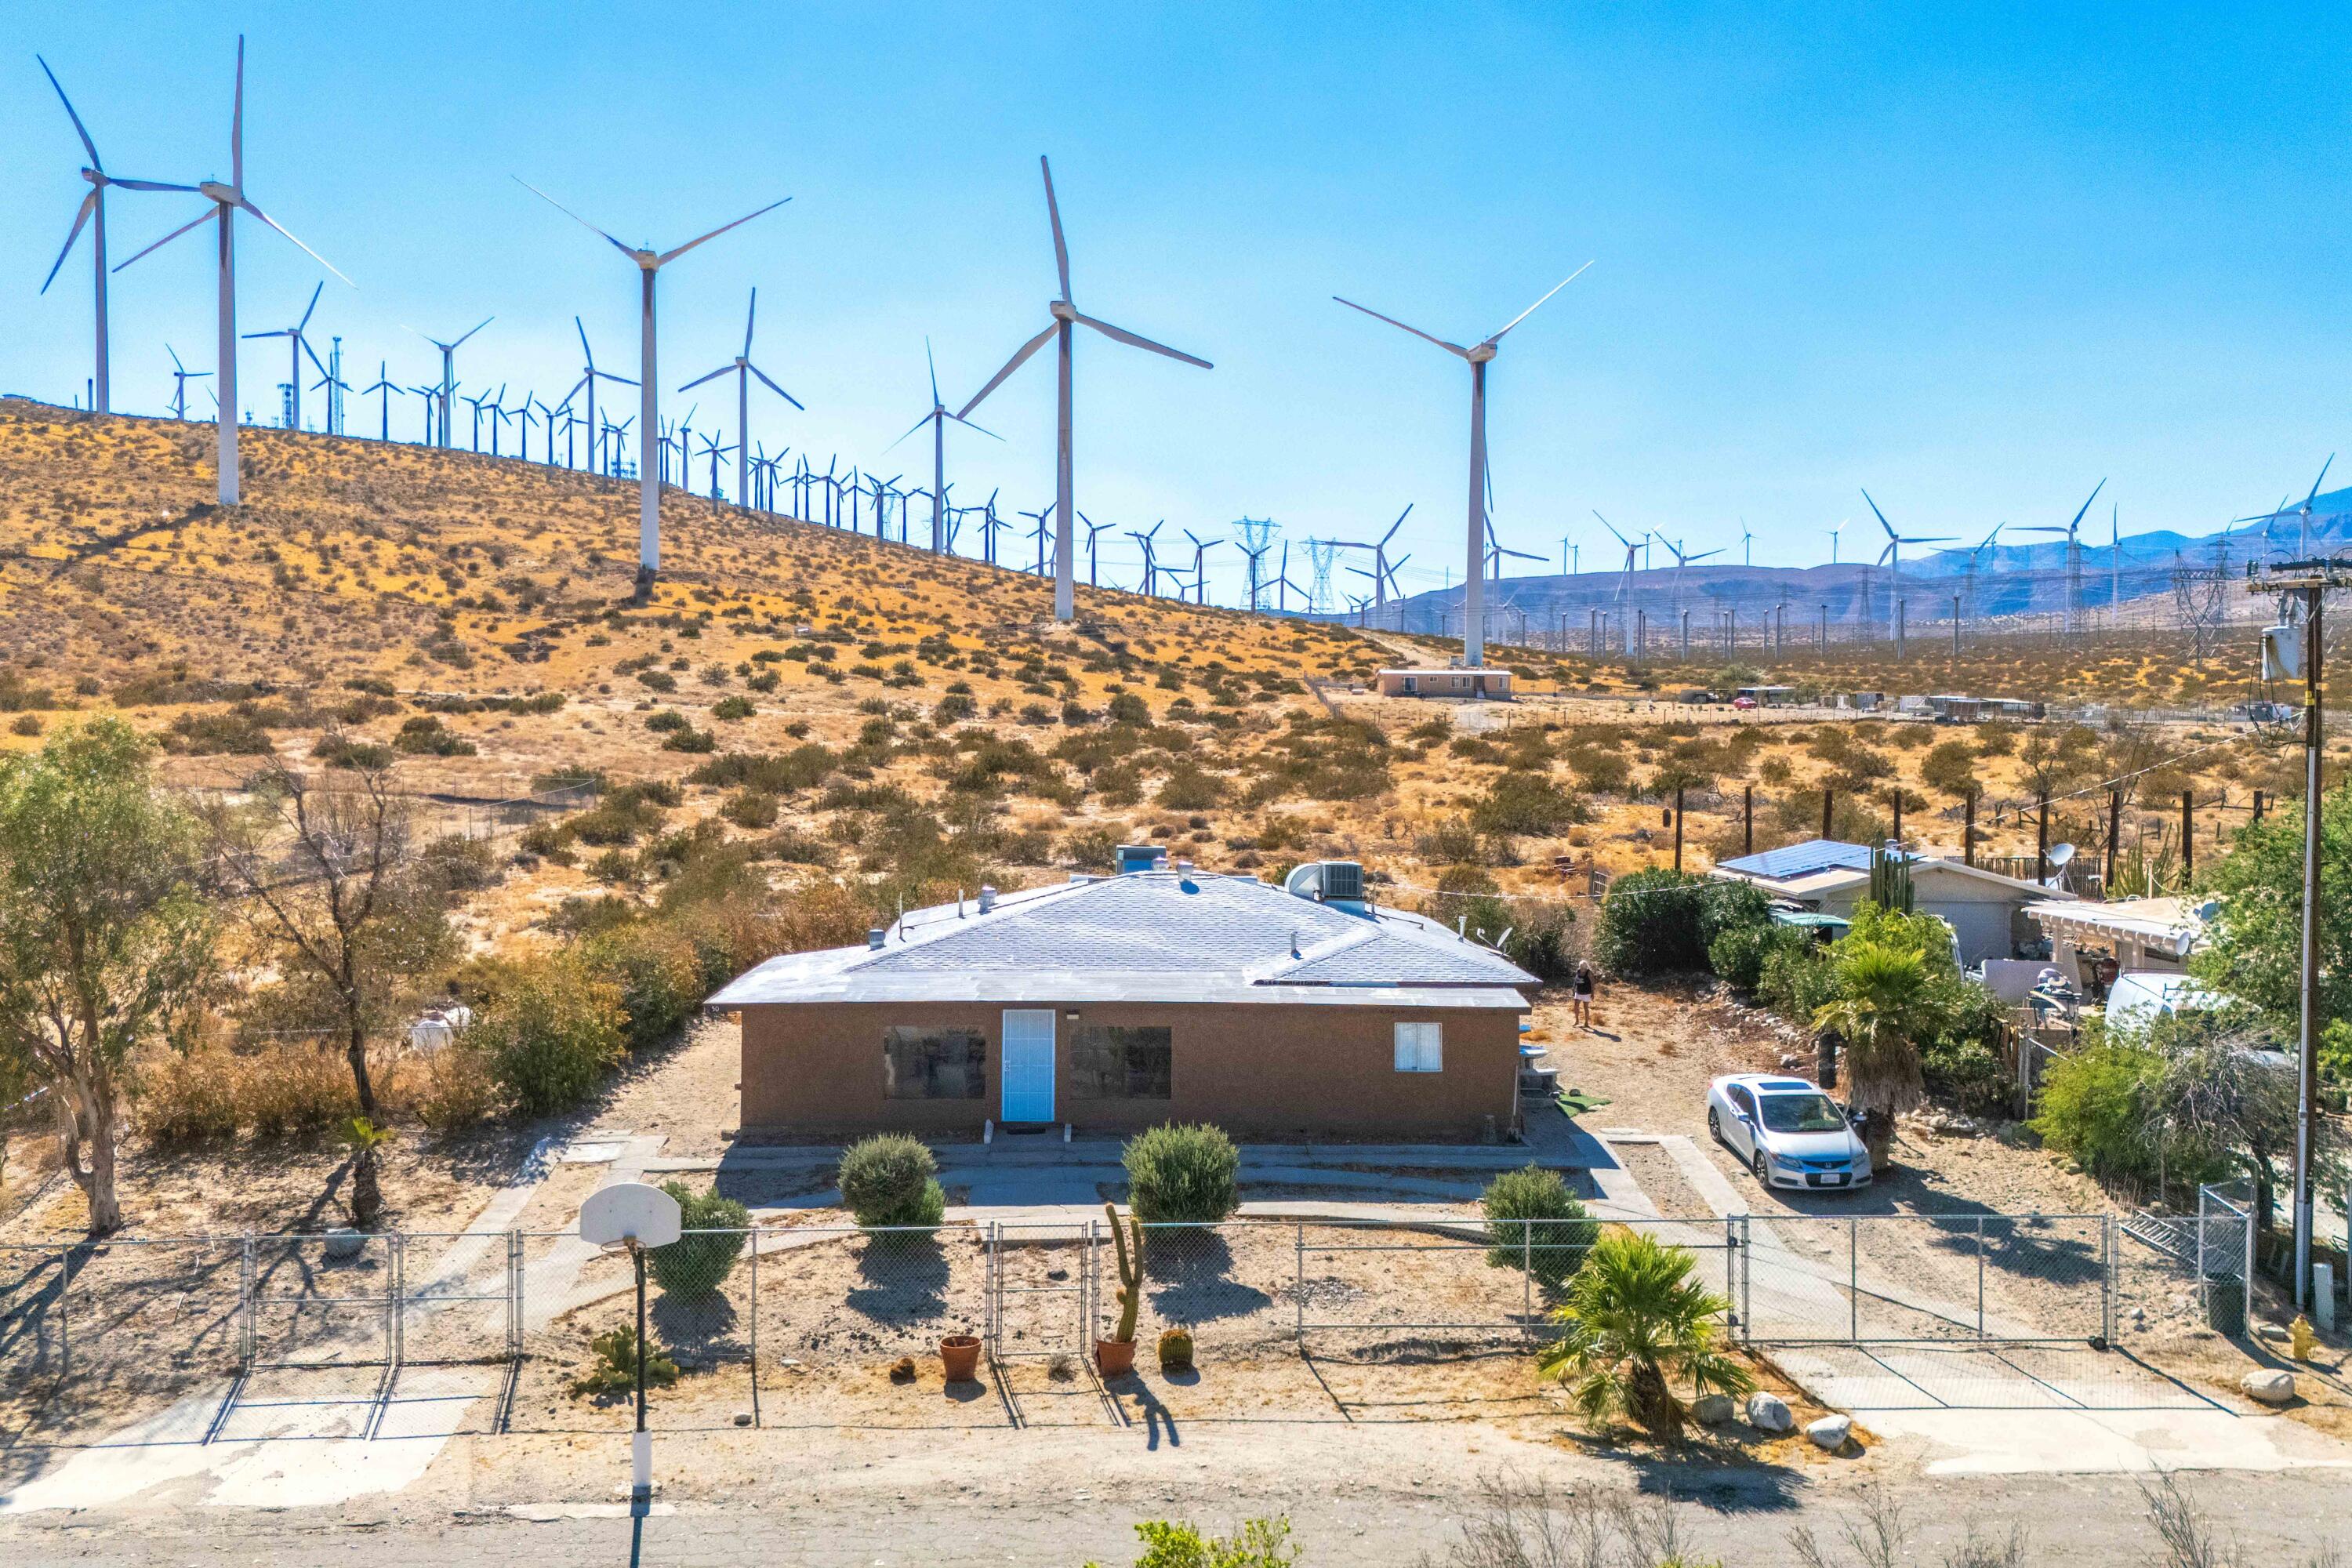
1974	258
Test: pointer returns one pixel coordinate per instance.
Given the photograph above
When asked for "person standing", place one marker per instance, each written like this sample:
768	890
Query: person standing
1581	990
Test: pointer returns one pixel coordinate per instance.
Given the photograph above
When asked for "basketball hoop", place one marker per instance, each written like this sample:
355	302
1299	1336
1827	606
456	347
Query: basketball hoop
633	1216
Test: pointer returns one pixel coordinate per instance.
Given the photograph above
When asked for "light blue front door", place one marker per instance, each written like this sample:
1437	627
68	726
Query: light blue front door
1028	1064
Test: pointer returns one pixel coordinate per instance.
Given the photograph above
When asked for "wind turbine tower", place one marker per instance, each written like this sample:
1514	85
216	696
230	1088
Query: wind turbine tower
744	371
1477	356
649	263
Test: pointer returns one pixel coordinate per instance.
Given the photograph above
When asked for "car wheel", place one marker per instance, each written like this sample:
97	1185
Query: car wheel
1762	1169
1714	1125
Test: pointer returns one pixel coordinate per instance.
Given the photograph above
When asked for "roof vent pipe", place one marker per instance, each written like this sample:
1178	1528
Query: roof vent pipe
875	937
987	899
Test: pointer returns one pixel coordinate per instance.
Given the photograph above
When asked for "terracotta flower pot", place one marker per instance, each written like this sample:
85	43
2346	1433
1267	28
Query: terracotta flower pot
960	1355
1115	1357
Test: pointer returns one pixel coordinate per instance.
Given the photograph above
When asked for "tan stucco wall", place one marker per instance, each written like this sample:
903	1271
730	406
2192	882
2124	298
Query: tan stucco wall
1263	1070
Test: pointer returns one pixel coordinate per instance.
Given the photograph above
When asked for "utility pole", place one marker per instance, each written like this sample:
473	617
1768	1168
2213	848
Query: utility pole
1968	830
2309	581
2188	839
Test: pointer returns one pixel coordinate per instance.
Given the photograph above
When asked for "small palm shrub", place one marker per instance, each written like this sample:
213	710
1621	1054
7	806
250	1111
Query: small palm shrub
614	1369
1634	1320
892	1179
694	1267
1533	1218
1181	1173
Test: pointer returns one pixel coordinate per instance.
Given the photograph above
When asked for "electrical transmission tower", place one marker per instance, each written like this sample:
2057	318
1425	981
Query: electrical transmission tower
1321	554
1258	537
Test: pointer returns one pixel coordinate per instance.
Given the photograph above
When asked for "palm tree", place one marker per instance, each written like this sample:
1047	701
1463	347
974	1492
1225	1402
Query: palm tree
1635	1320
1883	1002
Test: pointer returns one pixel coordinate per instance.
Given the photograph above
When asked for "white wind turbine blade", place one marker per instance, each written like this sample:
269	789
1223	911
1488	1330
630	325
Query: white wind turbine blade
667	256
2103	485
311	307
772	387
88	145
934	367
89	206
917	424
486	321
1054	213
210	212
698	380
1880	515
750	316
626	251
1531	309
1120	334
237	124
305	249
1416	331
1612	528
983	430
1020	358
147	184
1397	524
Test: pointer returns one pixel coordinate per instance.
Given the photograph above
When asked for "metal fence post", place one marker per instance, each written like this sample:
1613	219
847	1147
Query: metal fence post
514	1295
2106	1281
1854	1278
1526	1269
65	1289
1730	1267
753	1236
248	1288
395	1300
1298	1290
1747	1278
1980	1267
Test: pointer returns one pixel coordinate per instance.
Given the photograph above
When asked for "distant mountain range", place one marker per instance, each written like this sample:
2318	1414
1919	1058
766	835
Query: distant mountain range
2008	580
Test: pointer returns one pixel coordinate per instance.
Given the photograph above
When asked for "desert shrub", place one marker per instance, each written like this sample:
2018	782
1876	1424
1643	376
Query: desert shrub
1126	708
217	735
1181	1172
1738	954
1547	940
732	709
1528	803
653	966
295	1086
184	1097
426	736
1259	1543
1091	846
752	808
590	780
1661	921
1950	766
1797	980
1533	1218
802	767
954	709
613	1366
453	1088
551	1032
694	1267
454	863
2095	1107
1188	788
691	741
336	750
891	1179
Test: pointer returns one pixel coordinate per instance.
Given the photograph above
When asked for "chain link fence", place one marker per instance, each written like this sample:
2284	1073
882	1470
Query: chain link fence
814	1325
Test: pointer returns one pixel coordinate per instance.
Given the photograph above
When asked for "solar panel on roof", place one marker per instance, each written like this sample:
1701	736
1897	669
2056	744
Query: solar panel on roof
1792	861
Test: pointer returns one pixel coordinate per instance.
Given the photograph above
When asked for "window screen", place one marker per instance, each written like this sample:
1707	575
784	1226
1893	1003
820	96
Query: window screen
933	1064
1115	1061
1420	1048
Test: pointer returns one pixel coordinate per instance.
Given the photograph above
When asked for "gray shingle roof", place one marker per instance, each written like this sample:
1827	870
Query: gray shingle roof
1168	936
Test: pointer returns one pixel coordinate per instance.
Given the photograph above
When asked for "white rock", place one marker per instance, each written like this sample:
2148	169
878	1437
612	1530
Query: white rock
1769	1413
1711	1409
1829	1432
2271	1388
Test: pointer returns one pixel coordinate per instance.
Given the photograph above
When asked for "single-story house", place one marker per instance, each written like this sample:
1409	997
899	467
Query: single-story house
1984	909
1117	1002
2134	934
1480	682
1769	696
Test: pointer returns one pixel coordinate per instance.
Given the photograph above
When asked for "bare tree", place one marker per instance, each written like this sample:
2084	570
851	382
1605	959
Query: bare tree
324	865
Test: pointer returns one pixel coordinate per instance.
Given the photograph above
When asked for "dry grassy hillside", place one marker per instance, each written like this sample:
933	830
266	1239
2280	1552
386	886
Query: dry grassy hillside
849	708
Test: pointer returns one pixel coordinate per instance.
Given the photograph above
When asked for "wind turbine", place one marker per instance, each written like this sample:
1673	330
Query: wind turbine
448	372
1201	547
1383	571
1495	553
1834	538
938	420
649	263
1151	561
587	383
1747	544
2303	513
2074	551
1892	556
227	200
1473	631
93	212
744	371
297	346
1975	556
1625	580
181	377
1065	314
384	386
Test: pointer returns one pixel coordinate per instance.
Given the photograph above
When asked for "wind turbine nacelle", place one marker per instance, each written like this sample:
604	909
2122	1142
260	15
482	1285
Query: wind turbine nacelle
1062	310
213	190
1480	353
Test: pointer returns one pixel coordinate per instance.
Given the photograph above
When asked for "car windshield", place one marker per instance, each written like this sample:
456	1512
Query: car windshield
1802	1113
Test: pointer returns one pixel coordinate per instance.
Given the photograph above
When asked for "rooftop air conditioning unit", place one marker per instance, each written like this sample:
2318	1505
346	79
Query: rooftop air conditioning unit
1328	882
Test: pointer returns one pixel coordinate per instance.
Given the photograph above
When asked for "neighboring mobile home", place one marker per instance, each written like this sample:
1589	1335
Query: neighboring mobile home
1485	682
1110	1003
1985	909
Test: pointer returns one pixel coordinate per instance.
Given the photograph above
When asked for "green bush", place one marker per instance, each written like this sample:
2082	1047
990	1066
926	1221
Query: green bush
1662	921
2094	1108
1527	803
1181	1173
614	1368
891	1178
1797	981
654	971
551	1033
1740	954
1259	1543
1532	1217
693	1268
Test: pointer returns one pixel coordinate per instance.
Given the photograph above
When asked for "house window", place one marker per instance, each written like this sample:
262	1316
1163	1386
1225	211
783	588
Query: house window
933	1064
1420	1048
1114	1061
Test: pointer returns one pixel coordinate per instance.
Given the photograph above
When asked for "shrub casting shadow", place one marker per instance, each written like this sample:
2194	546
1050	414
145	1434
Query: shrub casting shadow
1187	1278
903	1278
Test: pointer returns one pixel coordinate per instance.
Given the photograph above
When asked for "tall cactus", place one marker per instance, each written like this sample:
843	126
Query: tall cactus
1131	1272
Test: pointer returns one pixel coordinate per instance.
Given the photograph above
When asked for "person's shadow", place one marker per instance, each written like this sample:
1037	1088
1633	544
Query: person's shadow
1158	1419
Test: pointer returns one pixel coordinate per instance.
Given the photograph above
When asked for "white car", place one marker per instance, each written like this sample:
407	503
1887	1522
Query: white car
1791	1133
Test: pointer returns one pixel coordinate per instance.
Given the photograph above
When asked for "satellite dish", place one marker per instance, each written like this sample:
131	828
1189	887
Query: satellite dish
629	1211
2060	854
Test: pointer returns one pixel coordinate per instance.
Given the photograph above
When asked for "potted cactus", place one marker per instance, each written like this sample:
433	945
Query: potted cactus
1116	1355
